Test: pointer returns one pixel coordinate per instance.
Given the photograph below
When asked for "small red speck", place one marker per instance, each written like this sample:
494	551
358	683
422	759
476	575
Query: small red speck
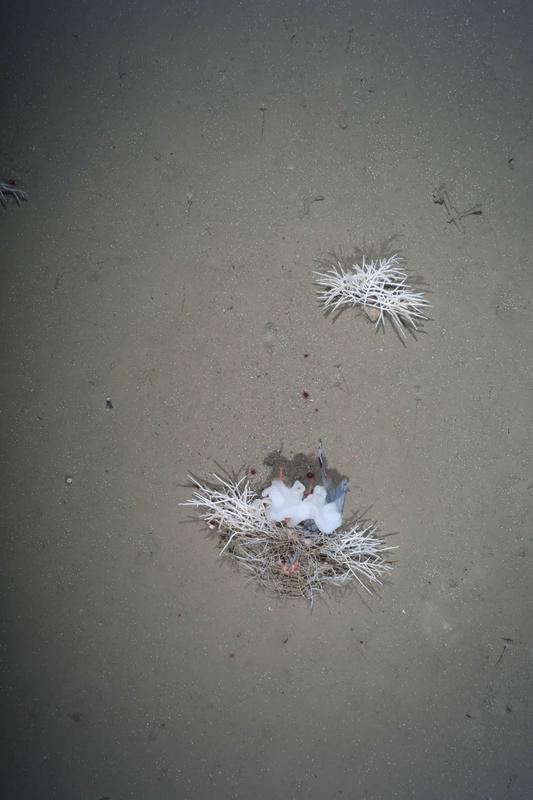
306	355
310	475
253	471
305	394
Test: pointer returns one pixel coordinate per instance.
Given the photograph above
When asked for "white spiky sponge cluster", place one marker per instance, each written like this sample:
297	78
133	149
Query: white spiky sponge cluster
380	287
287	559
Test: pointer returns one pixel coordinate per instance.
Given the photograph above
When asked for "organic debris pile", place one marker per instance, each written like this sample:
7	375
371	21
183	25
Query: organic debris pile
292	559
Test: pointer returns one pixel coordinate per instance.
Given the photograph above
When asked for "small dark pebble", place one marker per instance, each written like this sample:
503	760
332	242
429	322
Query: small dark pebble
468	715
109	403
343	122
75	716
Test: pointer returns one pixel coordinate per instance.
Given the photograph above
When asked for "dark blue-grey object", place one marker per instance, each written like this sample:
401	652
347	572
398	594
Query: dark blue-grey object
334	494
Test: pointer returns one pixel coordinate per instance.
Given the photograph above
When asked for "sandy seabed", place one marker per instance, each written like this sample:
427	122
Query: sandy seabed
185	164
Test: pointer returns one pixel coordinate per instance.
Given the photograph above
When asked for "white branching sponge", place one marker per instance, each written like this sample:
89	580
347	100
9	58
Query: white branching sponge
379	287
10	190
287	559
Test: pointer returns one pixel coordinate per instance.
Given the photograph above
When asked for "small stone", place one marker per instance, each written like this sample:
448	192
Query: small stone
372	313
